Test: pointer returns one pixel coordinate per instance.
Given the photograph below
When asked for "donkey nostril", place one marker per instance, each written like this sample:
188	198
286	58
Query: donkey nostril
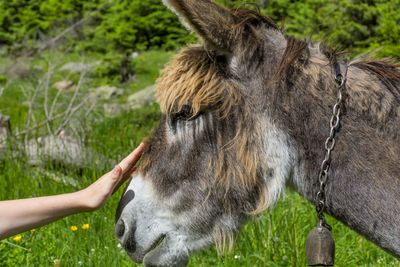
126	235
130	244
120	229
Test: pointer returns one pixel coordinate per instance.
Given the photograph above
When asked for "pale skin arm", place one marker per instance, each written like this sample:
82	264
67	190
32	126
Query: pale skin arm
17	216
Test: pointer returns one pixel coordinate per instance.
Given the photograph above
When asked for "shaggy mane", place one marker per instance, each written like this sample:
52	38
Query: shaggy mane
387	71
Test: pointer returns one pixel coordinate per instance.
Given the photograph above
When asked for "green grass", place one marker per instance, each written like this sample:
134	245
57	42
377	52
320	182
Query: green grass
275	239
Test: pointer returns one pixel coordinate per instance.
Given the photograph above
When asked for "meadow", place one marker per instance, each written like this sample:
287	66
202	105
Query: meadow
276	238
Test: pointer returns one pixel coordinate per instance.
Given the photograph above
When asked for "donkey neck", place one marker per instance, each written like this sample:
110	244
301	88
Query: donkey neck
363	188
299	107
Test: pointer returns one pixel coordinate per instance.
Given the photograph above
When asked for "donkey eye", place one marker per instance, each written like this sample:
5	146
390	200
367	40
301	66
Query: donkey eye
184	114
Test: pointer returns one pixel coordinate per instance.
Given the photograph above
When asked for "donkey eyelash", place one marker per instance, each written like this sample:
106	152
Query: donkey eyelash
185	114
181	116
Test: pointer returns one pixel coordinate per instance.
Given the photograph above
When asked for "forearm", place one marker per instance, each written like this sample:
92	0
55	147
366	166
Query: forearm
21	215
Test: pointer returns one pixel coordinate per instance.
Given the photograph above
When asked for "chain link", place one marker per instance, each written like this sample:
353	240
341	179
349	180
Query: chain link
329	146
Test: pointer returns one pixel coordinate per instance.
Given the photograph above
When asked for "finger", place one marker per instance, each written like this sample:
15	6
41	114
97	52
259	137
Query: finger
132	158
111	179
129	171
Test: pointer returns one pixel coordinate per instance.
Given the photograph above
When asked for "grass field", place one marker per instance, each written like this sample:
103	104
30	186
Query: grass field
275	239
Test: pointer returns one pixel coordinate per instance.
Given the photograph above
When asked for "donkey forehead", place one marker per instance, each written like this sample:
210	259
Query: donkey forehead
194	77
202	78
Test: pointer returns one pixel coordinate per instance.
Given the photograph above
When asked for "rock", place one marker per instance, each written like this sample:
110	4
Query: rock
76	67
64	85
55	148
62	149
5	131
107	92
112	110
142	98
19	69
1	89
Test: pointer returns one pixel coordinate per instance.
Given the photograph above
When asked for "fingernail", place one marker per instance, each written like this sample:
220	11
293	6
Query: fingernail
144	143
141	147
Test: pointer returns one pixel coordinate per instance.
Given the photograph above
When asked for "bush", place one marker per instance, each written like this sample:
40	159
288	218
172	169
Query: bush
357	26
140	25
131	25
122	25
116	67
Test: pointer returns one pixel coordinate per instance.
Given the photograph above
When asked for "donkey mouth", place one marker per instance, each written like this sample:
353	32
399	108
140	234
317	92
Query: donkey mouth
157	242
163	253
139	253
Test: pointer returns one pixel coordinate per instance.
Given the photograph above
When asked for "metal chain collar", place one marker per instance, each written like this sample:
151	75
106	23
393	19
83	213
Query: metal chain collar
340	78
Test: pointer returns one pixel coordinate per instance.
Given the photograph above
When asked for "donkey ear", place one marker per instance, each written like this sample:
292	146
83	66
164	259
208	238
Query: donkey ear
211	21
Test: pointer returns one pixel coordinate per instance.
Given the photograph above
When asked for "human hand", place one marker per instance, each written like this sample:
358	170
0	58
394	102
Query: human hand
97	194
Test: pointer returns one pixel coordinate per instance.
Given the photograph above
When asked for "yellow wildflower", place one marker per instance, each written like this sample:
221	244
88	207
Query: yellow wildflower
85	226
73	228
17	238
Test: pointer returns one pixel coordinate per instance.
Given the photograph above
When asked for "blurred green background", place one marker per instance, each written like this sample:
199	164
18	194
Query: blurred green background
122	46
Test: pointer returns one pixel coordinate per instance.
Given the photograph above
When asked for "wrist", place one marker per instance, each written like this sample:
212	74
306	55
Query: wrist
83	200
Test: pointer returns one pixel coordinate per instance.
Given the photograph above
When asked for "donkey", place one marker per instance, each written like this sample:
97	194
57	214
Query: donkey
246	113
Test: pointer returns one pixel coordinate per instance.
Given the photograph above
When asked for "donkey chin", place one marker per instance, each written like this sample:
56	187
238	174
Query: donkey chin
163	251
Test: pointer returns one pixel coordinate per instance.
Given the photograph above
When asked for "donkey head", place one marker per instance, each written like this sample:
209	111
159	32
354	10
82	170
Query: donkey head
209	165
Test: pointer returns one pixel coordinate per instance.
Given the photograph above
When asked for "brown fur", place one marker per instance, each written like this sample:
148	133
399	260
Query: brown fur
293	52
246	17
386	70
